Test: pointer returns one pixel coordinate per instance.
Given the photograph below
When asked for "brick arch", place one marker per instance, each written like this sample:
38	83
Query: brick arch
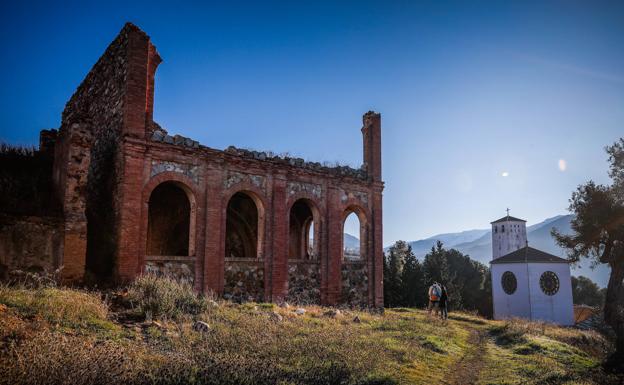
363	214
317	216
192	193
181	180
257	195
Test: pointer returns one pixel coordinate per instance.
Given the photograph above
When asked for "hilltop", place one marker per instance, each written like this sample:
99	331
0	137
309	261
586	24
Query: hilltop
150	334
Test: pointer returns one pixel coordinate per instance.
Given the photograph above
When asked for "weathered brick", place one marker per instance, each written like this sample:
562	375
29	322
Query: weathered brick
110	156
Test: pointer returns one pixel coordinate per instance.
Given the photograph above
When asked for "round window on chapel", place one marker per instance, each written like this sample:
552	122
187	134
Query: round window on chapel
549	282
509	282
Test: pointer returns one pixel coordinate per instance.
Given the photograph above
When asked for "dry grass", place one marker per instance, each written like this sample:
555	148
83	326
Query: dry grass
161	297
62	336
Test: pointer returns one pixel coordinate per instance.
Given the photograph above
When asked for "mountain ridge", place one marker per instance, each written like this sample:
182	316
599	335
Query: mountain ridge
477	244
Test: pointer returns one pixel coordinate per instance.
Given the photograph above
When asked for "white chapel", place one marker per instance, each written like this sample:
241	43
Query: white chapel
527	282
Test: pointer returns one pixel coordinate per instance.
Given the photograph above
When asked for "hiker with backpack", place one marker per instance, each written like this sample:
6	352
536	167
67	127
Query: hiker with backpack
444	303
435	292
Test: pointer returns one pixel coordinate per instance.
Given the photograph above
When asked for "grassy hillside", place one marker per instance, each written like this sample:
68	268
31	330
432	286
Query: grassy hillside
65	336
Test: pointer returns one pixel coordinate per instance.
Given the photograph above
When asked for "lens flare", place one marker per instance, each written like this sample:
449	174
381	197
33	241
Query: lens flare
563	165
505	174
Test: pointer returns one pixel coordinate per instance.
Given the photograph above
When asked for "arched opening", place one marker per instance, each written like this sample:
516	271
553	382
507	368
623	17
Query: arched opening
301	229
354	251
353	237
169	221
241	227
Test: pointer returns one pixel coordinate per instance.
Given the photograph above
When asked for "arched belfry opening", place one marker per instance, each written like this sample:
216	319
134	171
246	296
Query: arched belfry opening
302	240
242	227
169	221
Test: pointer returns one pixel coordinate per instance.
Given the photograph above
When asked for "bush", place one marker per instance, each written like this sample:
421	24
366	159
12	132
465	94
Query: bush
162	297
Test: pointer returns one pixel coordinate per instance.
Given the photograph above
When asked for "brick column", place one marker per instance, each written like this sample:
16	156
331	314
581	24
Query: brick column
214	255
333	271
279	271
128	209
376	261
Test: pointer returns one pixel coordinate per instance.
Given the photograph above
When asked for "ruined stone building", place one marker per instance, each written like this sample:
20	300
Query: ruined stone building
247	225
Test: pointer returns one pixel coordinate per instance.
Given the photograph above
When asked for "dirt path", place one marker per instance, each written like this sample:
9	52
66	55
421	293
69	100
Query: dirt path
466	370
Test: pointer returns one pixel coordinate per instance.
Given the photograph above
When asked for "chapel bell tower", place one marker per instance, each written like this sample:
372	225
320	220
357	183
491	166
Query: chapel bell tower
508	235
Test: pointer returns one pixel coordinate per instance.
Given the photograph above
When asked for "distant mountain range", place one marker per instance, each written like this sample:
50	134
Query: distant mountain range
350	241
478	245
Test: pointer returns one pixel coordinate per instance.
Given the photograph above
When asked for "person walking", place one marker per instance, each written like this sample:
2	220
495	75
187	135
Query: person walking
435	291
444	303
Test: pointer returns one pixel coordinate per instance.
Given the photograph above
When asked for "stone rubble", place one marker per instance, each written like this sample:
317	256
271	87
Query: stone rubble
201	327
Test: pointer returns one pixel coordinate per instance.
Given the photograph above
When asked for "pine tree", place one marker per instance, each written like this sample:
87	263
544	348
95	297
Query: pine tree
393	269
414	291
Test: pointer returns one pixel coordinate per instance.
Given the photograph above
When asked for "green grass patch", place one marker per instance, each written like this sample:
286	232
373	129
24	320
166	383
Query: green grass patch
65	308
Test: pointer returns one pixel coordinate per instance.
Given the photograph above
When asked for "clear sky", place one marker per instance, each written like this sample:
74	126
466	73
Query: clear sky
467	91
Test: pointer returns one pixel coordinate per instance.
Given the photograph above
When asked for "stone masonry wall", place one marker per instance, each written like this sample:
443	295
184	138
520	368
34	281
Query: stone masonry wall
183	271
244	281
29	243
304	283
355	284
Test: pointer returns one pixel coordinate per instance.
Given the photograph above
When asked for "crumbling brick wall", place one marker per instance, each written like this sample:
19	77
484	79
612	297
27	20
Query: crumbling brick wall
110	157
89	161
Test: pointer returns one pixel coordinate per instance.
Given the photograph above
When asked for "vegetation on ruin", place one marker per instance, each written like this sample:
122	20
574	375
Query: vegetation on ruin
70	336
26	181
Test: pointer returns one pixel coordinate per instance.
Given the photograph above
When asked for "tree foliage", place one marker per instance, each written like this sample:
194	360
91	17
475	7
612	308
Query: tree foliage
406	279
598	234
586	292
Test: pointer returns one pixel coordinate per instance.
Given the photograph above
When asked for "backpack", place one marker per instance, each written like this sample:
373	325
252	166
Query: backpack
434	293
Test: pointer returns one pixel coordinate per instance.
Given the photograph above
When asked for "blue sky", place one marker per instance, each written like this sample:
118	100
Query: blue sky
467	90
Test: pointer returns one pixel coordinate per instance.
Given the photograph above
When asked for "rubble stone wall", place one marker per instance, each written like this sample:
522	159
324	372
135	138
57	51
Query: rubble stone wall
304	282
244	281
355	284
180	270
29	243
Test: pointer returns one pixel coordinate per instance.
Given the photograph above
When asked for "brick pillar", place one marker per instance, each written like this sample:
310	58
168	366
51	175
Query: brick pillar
279	271
214	255
153	60
129	211
371	135
71	168
371	132
142	61
333	271
376	262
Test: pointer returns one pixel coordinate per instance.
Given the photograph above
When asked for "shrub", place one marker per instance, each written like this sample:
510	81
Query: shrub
163	297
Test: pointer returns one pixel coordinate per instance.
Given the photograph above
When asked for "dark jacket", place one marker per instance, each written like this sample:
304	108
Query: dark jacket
443	297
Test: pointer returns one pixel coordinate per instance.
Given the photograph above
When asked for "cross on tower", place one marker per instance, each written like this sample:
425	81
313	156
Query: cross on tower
507	211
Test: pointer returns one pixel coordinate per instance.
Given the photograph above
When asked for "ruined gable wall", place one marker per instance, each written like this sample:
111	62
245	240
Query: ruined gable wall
87	162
